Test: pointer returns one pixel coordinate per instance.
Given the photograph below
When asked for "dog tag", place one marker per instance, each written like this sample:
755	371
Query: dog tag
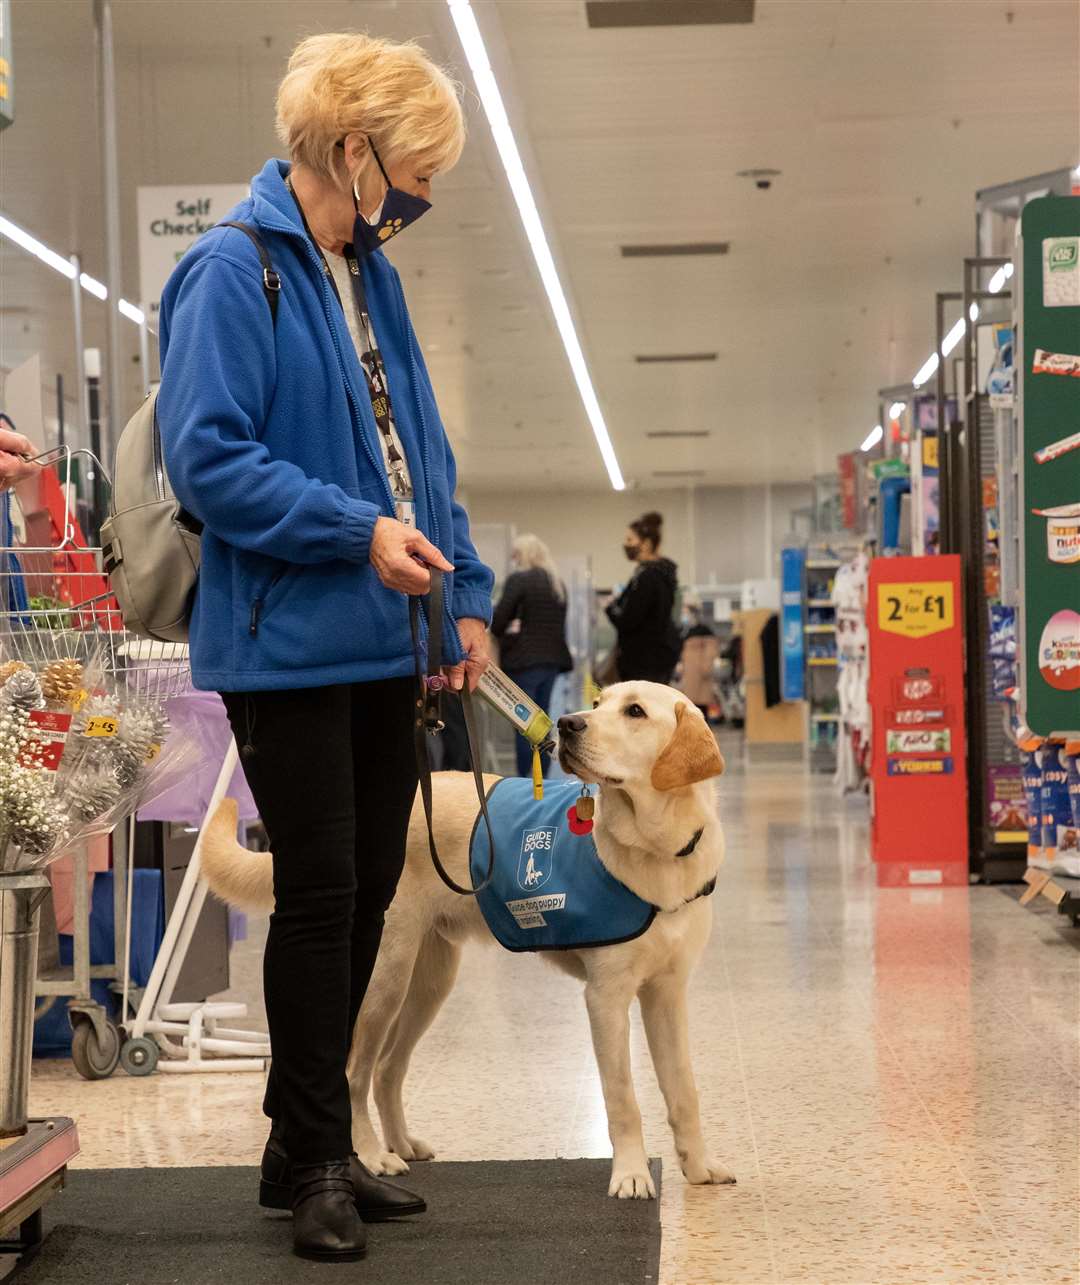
585	807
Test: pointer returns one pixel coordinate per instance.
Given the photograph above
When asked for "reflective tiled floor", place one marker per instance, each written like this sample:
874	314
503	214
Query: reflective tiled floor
892	1075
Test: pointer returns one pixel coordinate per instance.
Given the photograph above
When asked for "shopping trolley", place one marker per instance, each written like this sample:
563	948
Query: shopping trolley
58	616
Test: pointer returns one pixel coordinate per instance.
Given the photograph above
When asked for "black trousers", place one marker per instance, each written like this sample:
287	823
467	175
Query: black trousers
333	774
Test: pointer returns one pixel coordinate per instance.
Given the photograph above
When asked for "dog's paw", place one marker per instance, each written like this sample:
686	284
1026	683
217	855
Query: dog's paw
410	1148
383	1164
707	1171
632	1184
390	1165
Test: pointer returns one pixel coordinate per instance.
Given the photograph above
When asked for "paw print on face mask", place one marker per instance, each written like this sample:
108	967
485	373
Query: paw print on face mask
390	228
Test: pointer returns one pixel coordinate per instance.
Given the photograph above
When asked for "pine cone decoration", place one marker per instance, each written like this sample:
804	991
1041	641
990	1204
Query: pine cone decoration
92	792
38	821
23	690
136	739
61	680
11	667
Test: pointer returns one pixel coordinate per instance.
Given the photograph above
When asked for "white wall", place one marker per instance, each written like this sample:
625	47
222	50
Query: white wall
715	534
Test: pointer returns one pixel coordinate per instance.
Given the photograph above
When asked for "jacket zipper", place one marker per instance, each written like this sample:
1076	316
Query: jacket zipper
257	605
159	461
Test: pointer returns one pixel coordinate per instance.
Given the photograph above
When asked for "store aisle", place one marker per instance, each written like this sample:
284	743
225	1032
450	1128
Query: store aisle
892	1075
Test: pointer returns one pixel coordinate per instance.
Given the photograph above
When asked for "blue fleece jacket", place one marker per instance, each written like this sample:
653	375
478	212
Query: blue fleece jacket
270	441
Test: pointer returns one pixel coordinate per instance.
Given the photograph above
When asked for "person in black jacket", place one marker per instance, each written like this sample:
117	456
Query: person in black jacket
648	641
530	624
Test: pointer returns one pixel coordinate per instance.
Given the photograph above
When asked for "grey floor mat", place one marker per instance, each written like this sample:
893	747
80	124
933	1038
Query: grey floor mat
532	1222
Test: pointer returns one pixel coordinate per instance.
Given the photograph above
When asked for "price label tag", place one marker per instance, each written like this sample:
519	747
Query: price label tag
916	610
101	725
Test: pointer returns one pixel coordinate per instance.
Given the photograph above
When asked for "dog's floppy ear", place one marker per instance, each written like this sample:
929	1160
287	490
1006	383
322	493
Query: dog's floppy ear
691	755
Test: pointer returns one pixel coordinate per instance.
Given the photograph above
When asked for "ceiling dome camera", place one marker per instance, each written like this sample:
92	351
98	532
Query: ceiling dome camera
762	177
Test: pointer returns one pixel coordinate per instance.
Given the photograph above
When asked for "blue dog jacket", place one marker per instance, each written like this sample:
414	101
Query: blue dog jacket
550	890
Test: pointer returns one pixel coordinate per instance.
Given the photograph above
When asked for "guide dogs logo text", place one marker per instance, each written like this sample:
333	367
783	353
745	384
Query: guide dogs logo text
535	860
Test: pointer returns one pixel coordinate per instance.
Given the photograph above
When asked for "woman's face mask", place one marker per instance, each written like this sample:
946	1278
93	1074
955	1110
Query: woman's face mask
631	550
397	211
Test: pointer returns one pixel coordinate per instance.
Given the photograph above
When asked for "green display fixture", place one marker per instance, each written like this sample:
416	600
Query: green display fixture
1048	354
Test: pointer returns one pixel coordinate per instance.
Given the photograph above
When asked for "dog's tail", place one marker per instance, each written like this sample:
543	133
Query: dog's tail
235	874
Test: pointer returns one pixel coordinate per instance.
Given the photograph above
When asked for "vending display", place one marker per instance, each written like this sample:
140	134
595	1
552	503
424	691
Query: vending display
919	828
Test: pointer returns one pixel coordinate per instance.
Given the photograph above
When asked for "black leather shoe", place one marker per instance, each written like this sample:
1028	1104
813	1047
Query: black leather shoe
376	1200
326	1225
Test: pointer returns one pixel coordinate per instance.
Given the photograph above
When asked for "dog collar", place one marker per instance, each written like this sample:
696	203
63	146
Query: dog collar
685	852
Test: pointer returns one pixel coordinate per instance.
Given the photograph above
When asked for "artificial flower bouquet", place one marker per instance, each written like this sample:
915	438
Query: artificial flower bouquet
80	749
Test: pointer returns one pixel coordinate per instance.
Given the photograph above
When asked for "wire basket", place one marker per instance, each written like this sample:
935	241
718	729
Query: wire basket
55	601
49	617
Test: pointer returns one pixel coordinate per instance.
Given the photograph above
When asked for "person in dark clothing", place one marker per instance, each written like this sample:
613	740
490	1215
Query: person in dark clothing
530	624
648	642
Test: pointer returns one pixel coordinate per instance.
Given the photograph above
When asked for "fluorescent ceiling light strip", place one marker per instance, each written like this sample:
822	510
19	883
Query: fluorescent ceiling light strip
896	409
872	438
926	370
476	54
953	337
65	267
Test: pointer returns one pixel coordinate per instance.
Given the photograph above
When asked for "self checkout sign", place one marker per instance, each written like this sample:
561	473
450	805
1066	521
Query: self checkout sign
916	609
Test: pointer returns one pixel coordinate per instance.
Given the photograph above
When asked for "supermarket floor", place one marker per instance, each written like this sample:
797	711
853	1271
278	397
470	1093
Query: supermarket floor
892	1075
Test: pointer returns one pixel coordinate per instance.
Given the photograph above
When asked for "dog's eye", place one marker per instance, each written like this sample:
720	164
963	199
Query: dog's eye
635	711
596	703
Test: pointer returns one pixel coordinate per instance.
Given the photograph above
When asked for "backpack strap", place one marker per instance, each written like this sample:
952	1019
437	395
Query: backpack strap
271	280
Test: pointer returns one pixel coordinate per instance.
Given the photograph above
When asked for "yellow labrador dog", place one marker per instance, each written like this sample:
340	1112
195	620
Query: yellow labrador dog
652	756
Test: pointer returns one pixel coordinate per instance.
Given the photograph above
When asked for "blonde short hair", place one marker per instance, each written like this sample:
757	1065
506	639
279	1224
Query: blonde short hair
531	551
351	83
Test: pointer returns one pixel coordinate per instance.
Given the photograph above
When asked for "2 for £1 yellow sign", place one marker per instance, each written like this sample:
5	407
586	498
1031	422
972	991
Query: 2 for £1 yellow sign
916	610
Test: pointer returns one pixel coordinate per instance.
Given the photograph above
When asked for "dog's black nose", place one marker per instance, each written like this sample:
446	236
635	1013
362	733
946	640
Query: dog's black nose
571	723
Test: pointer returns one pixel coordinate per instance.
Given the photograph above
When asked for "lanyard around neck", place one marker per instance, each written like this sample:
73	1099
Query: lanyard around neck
363	317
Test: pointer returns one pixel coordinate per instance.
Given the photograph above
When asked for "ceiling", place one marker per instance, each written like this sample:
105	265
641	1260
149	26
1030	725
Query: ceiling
884	118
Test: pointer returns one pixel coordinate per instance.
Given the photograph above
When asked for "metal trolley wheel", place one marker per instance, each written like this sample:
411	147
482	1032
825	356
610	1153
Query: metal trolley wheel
94	1059
139	1056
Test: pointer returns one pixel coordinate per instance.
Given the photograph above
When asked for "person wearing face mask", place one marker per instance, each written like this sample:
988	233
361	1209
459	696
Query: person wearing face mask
530	624
312	452
647	639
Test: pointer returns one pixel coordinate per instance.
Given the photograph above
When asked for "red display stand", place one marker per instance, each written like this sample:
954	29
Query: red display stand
918	762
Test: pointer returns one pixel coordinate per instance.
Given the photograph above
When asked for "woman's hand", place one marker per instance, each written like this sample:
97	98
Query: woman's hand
473	634
13	468
394	550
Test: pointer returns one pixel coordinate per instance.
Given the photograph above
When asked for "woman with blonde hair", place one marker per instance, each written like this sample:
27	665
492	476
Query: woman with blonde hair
530	624
305	438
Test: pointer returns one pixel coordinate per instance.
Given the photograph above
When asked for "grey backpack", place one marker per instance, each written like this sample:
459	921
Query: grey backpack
150	545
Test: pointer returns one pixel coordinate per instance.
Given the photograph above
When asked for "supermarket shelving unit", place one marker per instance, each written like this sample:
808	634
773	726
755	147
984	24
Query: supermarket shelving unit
995	856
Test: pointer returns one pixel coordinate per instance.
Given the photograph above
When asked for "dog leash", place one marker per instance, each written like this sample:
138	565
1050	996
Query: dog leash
427	720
